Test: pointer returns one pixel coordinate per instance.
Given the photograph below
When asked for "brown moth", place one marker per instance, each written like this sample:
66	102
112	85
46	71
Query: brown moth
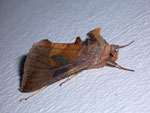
49	62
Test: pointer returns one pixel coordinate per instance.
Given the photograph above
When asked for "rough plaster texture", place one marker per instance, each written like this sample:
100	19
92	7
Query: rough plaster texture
105	90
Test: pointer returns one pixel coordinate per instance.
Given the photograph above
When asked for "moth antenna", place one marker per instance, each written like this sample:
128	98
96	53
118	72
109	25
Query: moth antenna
114	64
32	94
120	67
117	46
126	44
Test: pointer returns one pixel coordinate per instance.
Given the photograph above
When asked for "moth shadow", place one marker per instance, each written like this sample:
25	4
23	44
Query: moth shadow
21	67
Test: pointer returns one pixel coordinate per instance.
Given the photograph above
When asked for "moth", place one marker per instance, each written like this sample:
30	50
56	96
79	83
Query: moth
49	62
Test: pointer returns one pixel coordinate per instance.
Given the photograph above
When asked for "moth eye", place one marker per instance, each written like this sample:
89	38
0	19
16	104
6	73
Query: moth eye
111	55
116	50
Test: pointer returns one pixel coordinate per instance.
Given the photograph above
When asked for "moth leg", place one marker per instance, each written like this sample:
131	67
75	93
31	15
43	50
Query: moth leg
69	78
32	94
114	64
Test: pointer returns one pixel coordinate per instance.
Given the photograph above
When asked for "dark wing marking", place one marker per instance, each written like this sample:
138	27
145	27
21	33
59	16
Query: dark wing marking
60	60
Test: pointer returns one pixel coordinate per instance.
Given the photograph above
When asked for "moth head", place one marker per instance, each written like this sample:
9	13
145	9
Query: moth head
113	54
114	49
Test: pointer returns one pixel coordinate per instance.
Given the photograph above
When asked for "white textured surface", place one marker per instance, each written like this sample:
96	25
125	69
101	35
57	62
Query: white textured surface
105	90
